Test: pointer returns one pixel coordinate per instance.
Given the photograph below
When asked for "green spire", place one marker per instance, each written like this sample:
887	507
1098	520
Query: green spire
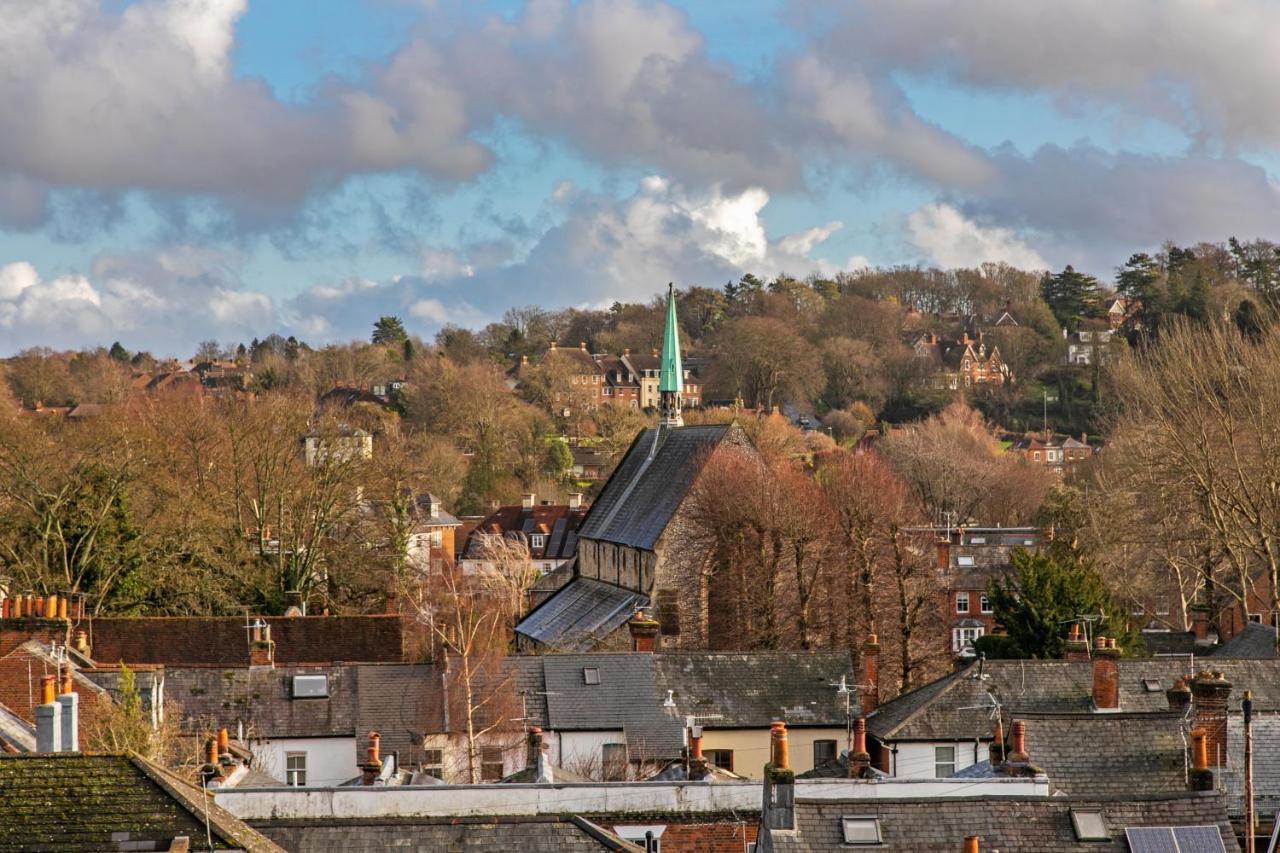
671	377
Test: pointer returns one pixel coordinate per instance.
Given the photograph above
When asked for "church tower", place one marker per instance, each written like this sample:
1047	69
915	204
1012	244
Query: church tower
671	375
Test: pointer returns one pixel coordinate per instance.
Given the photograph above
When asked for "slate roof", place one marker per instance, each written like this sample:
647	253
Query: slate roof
260	698
1007	824
1256	641
526	672
580	614
77	802
626	698
646	488
750	690
1108	754
224	640
527	834
403	702
16	734
1266	765
943	709
557	522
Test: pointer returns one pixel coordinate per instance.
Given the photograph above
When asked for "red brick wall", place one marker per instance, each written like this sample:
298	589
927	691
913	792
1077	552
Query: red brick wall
724	836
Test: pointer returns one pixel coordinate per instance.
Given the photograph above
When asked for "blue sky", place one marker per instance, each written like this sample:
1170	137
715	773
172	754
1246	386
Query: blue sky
174	171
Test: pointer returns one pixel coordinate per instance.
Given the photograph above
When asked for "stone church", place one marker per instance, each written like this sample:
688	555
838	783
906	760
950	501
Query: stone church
631	551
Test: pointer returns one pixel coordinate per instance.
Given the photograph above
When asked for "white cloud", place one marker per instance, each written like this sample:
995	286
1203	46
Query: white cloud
952	240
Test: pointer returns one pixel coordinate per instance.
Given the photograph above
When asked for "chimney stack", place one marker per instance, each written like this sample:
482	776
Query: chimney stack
1209	695
779	782
48	717
869	679
970	844
859	758
644	632
697	763
1200	624
528	500
533	747
1106	675
1179	695
372	768
1077	646
262	651
1201	778
224	742
69	703
779	754
1019	763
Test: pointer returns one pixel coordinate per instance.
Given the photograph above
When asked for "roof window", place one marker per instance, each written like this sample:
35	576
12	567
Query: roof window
310	686
590	675
860	830
1151	685
964	560
1089	825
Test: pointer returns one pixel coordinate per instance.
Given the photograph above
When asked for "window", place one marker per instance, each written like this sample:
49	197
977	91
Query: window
962	602
433	762
435	538
944	761
860	830
636	835
1036	455
722	758
590	675
984	604
964	560
295	769
977	540
310	686
1089	825
1255	617
613	761
1151	685
823	751
490	763
537	540
962	639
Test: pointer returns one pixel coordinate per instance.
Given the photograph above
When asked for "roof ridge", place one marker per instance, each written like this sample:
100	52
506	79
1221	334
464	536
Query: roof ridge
916	712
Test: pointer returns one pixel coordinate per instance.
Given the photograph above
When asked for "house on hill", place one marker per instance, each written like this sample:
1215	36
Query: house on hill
631	551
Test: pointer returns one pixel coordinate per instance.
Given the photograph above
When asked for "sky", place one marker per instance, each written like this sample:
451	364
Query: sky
173	171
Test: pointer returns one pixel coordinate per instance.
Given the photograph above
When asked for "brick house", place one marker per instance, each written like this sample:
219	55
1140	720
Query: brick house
965	362
549	530
1060	453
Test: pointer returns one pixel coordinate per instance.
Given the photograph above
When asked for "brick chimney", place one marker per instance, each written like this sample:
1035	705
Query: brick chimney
69	703
1200	624
869	678
944	553
859	758
372	767
1209	695
644	632
779	782
48	717
698	769
211	770
1201	778
996	752
1019	762
27	617
1077	646
1179	696
1106	675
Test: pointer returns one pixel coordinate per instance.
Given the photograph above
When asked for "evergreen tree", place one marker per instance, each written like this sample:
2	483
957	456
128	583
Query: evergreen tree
559	459
1070	295
119	353
1249	321
1037	603
389	330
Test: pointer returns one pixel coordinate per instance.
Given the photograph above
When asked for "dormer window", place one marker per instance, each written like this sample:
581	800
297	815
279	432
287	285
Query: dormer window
537	540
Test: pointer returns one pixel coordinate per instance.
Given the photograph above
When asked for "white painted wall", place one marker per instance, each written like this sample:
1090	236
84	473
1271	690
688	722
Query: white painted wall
916	760
577	750
330	760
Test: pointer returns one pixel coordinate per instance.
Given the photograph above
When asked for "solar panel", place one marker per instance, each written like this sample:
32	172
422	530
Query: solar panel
1174	839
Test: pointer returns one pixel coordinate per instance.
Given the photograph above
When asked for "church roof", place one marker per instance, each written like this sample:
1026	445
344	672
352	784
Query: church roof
671	377
644	492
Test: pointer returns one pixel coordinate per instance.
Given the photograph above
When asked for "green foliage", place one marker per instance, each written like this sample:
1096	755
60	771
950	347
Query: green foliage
1036	604
119	353
1070	295
389	331
559	459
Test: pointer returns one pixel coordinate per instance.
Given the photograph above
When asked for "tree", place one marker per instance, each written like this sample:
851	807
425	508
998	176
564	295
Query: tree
559	459
1046	592
209	350
119	353
766	362
389	331
1070	295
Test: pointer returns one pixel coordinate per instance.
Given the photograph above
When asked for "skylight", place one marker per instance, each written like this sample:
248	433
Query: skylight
590	675
1089	825
860	830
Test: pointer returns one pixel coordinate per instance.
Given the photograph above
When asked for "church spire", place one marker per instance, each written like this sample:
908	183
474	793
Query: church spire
671	375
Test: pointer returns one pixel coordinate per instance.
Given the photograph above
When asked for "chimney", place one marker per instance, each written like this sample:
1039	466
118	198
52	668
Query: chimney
995	750
944	553
534	747
524	359
528	500
582	345
372	763
779	782
1019	763
1209	695
1179	696
869	679
1106	676
970	844
859	758
698	769
644	632
262	651
224	742
553	346
82	643
48	717
69	703
1077	646
695	742
1201	778
575	500
211	770
1200	624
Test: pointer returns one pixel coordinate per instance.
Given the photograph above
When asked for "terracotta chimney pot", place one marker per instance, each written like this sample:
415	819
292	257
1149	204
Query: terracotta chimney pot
47	689
64	685
781	759
62	608
211	751
970	844
224	742
1018	742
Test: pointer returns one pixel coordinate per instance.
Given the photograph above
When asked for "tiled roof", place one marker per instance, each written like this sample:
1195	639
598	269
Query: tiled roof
20	674
403	702
1010	825
1266	764
647	487
261	699
224	640
556	521
581	614
526	673
527	834
1108	754
76	802
625	697
750	690
1256	641
16	734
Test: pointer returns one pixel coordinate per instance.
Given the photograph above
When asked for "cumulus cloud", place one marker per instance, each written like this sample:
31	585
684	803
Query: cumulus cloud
949	239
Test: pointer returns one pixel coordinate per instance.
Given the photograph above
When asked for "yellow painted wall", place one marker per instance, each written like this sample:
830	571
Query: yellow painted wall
751	747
